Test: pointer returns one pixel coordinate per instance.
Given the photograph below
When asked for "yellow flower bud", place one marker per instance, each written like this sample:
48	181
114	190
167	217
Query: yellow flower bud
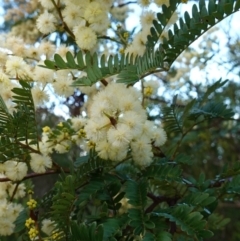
46	129
32	204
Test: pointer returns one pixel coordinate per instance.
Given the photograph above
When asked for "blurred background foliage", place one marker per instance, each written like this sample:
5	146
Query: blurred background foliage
210	146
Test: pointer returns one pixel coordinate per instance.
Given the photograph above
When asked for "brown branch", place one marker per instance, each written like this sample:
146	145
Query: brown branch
124	4
14	191
65	26
32	175
104	82
159	199
109	38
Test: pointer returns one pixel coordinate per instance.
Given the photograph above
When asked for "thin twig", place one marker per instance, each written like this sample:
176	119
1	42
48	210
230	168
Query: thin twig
32	175
68	30
14	191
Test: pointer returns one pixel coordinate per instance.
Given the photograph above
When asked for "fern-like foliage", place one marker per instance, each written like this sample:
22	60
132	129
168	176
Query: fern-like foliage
189	221
18	131
62	205
198	199
90	165
161	23
177	116
107	191
95	68
164	172
217	221
150	62
127	68
136	192
232	186
173	117
84	232
205	16
211	110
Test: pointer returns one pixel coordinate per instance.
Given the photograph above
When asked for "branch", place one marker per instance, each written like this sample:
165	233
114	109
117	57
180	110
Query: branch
32	175
159	199
124	4
65	26
109	38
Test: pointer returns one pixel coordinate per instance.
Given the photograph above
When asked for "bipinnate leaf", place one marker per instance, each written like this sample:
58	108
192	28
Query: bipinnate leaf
189	221
18	131
136	192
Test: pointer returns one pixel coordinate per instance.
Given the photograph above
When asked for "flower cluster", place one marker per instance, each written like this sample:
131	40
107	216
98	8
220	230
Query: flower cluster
31	226
14	170
85	20
118	125
9	212
32	204
116	128
10	189
62	137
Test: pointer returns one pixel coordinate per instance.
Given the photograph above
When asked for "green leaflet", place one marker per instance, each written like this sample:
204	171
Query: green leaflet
233	187
149	237
60	62
110	226
217	221
164	236
70	61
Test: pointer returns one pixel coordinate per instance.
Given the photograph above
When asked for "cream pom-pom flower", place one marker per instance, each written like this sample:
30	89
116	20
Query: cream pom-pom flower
159	136
144	3
150	87
39	163
111	126
8	214
15	66
147	18
72	15
48	226
86	38
14	170
46	22
39	95
119	126
94	12
47	4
